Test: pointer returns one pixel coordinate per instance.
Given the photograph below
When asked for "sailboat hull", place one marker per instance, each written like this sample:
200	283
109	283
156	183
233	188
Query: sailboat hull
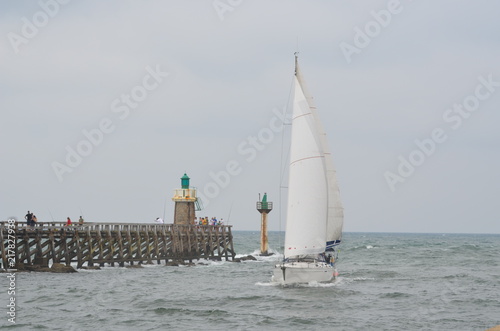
303	273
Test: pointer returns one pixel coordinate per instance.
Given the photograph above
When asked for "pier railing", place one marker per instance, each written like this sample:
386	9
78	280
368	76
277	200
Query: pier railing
110	243
264	206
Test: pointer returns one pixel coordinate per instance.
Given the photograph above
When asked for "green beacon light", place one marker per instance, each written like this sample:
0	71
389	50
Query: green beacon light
185	181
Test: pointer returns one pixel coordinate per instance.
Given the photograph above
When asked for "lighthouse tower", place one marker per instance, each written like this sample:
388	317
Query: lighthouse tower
185	199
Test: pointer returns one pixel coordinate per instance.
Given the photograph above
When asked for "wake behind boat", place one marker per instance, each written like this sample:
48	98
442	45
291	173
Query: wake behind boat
315	214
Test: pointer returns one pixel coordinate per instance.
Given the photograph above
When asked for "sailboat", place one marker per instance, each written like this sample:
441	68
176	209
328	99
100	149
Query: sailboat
315	215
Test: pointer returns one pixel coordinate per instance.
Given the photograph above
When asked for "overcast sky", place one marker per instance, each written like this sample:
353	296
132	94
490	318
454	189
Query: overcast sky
105	104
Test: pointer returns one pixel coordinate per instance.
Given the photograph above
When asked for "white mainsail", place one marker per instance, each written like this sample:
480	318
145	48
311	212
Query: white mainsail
315	212
335	209
307	189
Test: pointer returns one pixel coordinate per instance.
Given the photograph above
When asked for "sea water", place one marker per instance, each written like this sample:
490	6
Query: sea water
386	282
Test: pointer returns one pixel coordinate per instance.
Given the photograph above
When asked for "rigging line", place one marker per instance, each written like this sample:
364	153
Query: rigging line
282	160
51	215
164	209
282	172
229	215
81	212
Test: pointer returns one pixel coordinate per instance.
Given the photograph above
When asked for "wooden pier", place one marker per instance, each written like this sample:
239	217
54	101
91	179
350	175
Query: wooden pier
93	244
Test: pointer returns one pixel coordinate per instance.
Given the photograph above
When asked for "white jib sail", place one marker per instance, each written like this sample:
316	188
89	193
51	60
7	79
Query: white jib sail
307	183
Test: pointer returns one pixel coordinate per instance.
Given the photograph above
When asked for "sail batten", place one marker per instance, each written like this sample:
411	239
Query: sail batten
311	157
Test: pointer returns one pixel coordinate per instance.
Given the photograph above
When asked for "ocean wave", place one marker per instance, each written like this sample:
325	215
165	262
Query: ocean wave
362	247
187	311
385	288
395	295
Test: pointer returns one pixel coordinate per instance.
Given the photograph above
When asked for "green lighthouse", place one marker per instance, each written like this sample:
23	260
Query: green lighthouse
185	199
185	181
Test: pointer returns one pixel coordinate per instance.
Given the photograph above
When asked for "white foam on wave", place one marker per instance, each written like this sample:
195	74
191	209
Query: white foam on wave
209	263
312	284
355	279
154	265
89	270
276	256
270	283
348	280
316	284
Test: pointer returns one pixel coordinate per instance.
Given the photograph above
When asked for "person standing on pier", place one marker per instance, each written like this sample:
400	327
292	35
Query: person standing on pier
28	217
68	221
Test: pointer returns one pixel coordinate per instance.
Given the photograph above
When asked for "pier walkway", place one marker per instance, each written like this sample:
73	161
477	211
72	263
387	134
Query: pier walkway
93	244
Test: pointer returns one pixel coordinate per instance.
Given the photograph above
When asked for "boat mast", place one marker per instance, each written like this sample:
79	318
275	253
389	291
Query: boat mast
296	54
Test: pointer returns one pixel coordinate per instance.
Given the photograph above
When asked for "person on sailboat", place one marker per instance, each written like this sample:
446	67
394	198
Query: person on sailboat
330	259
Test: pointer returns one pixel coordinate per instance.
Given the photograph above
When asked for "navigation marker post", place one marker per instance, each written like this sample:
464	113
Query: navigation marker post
264	207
